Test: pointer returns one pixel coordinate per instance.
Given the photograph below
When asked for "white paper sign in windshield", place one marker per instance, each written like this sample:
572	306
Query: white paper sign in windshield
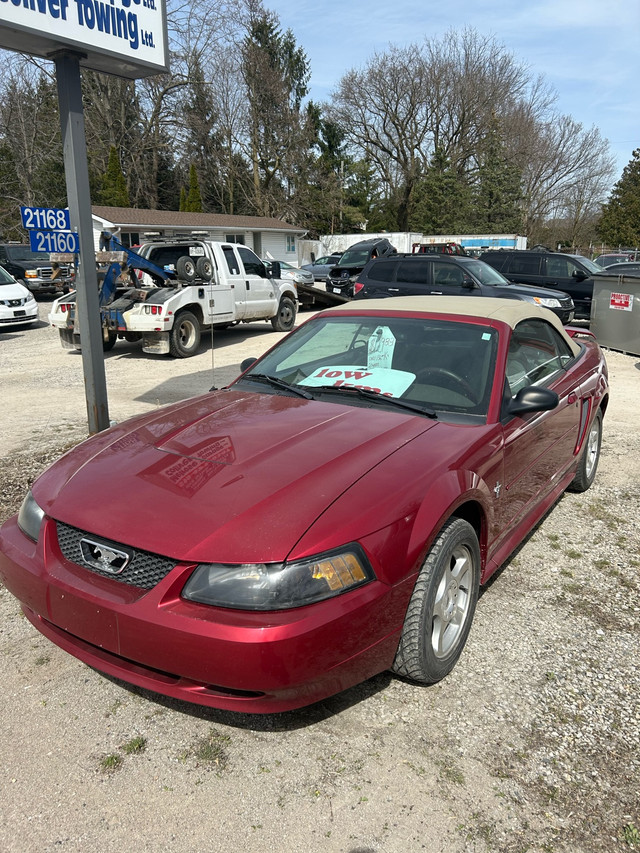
126	37
380	348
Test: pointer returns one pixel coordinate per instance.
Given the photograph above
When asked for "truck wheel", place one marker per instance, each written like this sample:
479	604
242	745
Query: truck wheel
286	316
186	268
204	268
184	337
110	342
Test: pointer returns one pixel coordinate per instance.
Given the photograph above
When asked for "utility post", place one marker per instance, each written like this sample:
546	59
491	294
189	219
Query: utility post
79	198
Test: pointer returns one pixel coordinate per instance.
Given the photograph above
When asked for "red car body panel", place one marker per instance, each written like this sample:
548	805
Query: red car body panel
239	477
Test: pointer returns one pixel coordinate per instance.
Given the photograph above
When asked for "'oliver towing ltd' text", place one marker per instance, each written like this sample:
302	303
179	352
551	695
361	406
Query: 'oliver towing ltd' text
105	17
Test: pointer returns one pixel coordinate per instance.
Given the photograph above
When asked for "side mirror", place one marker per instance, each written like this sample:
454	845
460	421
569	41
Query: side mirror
533	399
468	283
273	270
579	275
246	364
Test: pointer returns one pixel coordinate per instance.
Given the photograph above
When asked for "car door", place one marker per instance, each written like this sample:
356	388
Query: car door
448	279
235	275
561	272
259	291
538	446
412	277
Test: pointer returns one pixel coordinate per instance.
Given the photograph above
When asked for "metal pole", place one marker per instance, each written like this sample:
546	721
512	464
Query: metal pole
79	198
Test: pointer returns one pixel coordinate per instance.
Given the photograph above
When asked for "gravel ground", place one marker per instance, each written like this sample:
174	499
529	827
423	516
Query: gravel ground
531	744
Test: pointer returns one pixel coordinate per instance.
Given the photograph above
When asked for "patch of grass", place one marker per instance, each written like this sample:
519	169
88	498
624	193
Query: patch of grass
602	564
572	554
135	745
631	836
211	750
41	660
600	512
450	772
111	763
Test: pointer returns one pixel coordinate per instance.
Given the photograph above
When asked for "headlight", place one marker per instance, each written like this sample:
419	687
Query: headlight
278	586
546	302
31	274
30	517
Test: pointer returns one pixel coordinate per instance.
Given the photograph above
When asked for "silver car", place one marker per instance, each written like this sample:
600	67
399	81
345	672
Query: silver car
290	273
321	266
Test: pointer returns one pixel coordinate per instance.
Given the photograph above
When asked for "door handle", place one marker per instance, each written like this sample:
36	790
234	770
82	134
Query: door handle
572	398
248	285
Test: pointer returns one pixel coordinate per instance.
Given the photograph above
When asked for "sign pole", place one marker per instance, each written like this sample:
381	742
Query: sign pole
79	198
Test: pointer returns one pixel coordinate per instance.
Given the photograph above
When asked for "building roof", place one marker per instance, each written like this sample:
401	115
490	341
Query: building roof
140	219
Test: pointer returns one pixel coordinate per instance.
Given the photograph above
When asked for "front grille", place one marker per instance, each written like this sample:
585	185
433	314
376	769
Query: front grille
144	571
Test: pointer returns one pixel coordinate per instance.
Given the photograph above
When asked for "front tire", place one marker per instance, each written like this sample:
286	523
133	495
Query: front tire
184	337
442	605
286	316
588	465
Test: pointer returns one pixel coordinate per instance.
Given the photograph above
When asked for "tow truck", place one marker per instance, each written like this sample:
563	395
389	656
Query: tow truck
206	284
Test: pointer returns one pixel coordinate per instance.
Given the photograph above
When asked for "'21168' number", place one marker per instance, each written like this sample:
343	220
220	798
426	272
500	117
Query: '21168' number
45	218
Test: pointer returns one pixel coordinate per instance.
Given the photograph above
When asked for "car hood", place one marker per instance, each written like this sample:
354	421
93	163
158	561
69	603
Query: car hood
531	290
230	476
14	291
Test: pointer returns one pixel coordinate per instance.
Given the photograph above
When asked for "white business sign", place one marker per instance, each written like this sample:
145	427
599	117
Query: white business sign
123	37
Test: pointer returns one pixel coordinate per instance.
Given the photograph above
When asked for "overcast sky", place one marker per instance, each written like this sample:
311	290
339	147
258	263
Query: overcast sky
587	50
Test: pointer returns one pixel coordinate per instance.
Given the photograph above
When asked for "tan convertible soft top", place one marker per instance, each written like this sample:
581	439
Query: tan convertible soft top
509	311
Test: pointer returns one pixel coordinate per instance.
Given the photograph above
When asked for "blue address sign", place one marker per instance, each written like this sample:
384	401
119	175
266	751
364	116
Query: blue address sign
45	219
64	242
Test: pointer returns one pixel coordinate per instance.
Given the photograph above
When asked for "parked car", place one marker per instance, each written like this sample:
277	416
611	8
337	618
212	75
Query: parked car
34	270
297	275
342	277
329	515
615	258
321	267
17	304
572	274
439	248
450	275
627	268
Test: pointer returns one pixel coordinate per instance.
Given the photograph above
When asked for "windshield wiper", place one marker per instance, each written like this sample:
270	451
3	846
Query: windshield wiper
376	395
279	383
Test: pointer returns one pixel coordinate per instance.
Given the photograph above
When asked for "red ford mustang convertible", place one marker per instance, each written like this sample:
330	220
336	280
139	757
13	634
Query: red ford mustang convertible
329	515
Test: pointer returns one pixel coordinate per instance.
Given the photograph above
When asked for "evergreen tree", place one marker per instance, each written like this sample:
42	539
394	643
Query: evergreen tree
194	199
498	192
114	191
620	222
183	200
441	201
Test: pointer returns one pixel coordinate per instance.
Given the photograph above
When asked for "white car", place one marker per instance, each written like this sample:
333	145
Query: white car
17	304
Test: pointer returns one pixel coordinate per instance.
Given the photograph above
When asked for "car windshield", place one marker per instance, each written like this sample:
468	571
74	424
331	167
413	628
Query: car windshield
434	365
5	278
24	253
354	258
483	272
591	267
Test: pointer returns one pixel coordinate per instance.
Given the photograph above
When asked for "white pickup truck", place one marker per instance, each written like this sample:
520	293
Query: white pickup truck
206	284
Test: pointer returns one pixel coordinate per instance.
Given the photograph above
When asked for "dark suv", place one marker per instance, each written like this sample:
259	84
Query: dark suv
342	277
571	273
34	269
451	275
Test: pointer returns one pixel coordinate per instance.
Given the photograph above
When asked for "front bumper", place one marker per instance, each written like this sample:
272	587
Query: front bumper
233	660
18	316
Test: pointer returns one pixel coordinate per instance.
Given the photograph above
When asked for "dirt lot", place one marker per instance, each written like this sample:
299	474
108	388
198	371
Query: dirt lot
532	744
